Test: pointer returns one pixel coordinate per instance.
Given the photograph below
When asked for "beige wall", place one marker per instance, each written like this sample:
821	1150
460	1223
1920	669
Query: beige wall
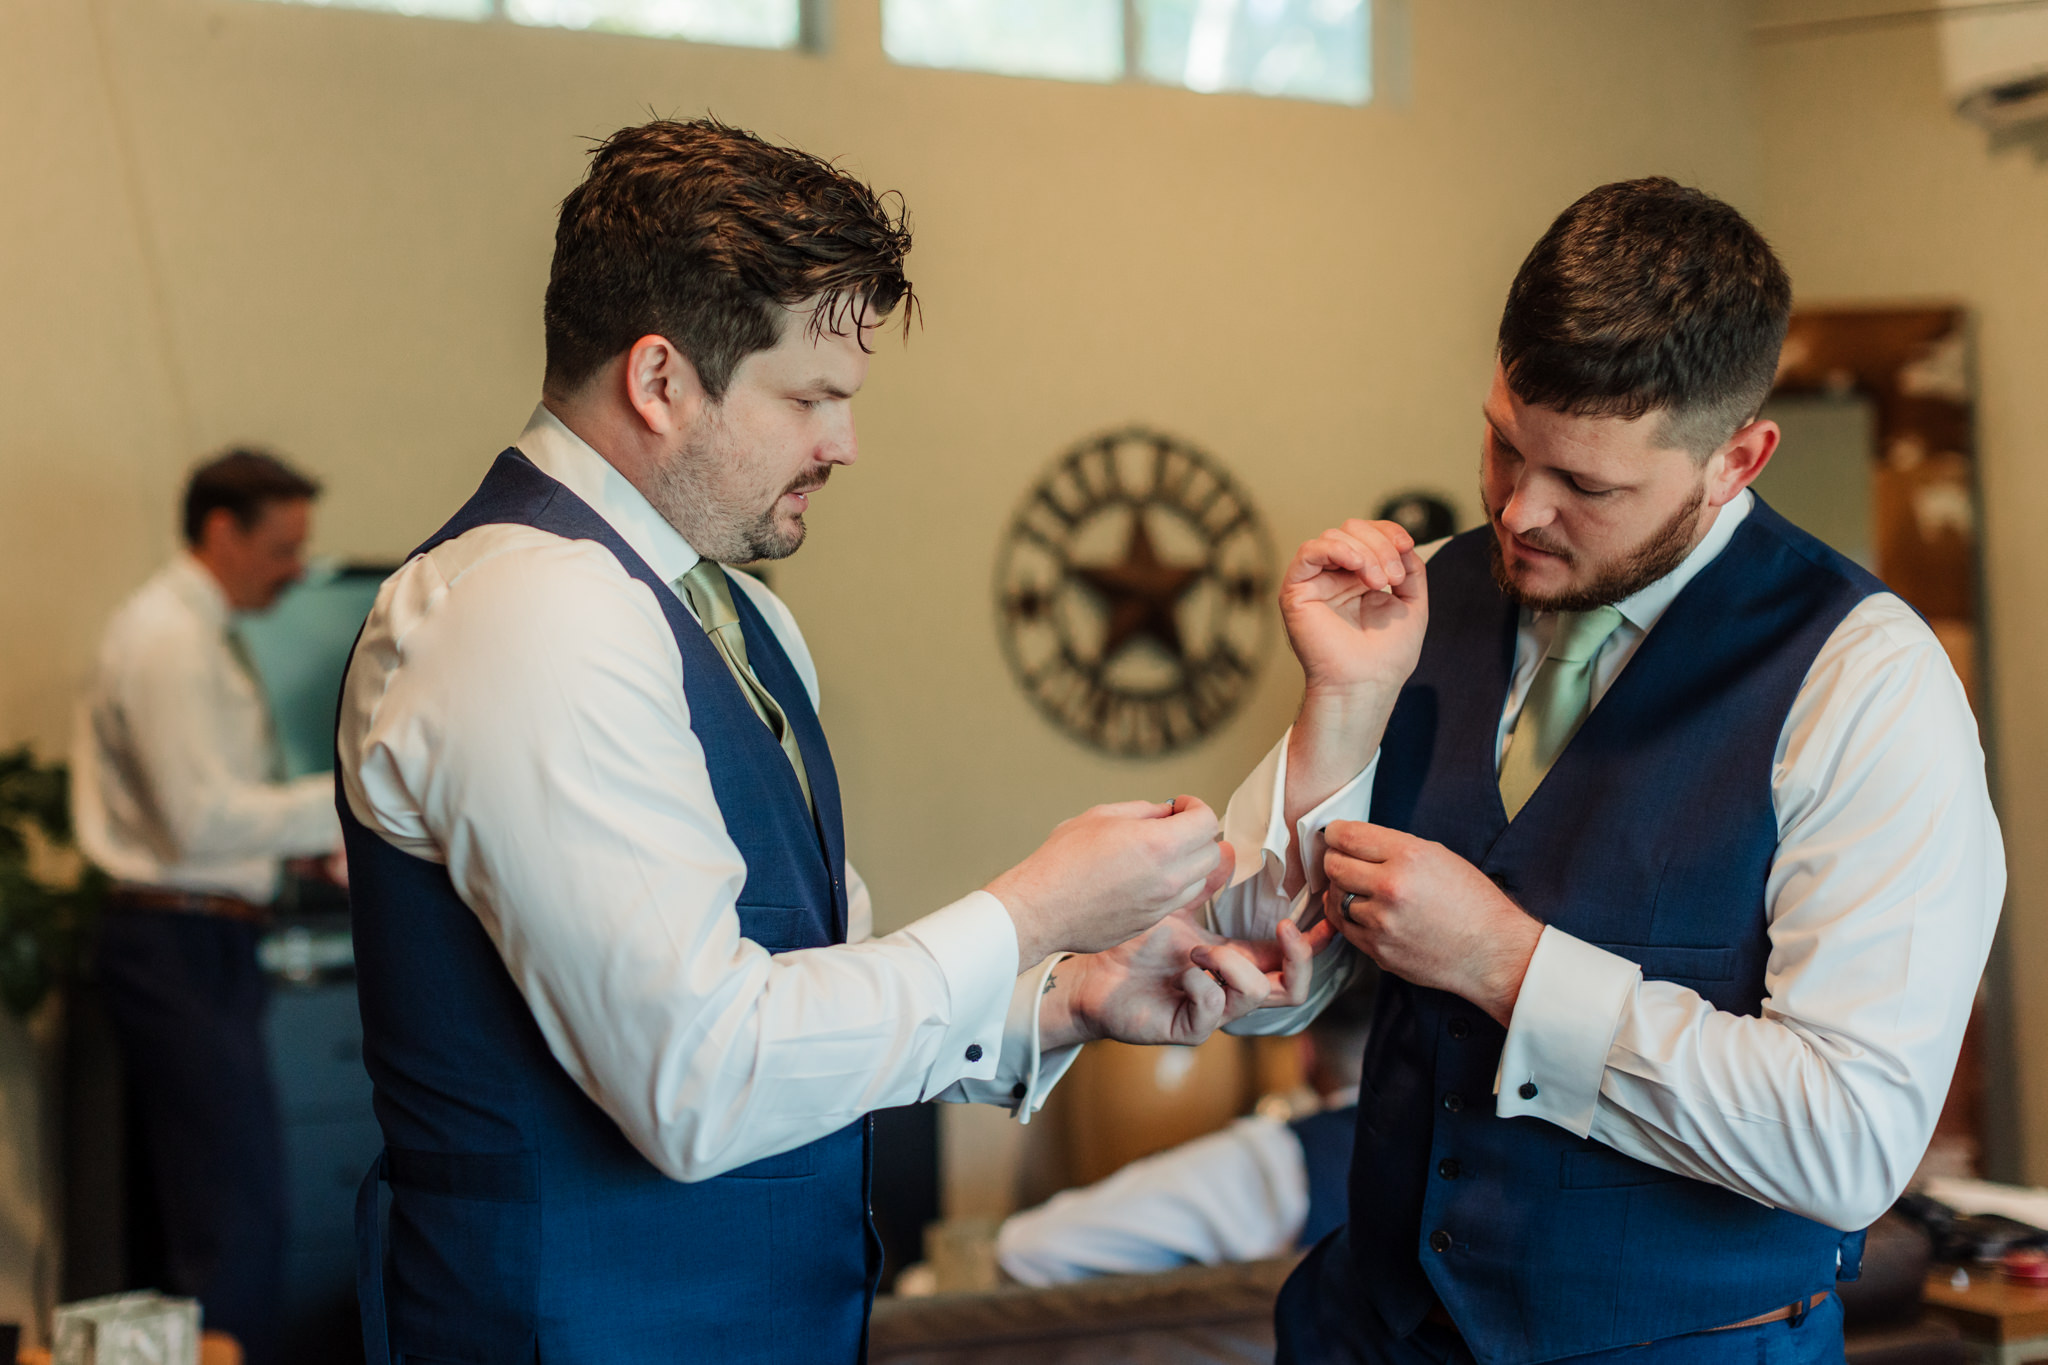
1874	190
329	231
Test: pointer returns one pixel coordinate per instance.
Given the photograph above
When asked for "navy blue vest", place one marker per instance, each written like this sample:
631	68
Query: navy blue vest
1325	1138
523	1225
1651	836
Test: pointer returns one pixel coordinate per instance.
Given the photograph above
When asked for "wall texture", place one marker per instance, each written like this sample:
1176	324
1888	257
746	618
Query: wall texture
329	231
1873	190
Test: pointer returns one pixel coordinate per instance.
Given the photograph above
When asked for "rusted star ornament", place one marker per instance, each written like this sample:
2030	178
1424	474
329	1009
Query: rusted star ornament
1132	594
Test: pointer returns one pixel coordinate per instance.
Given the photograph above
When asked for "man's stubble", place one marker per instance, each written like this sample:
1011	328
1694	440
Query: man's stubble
700	490
1661	552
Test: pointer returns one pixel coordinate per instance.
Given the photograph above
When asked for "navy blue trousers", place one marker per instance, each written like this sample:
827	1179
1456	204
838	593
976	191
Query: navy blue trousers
186	998
1320	1321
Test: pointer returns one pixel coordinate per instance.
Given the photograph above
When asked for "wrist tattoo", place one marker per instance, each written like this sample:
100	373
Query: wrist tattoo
1051	978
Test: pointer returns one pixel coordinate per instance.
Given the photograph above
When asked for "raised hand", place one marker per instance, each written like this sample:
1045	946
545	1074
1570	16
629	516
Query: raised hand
1356	604
1356	600
1177	983
1110	873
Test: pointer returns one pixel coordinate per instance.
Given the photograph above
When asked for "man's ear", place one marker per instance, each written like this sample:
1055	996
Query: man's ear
1740	459
662	386
217	529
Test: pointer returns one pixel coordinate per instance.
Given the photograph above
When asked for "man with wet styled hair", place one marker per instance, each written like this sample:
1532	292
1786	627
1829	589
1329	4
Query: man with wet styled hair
622	1004
1667	825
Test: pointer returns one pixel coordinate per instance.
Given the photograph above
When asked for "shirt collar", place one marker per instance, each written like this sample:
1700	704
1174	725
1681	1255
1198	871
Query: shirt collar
198	589
565	457
1643	608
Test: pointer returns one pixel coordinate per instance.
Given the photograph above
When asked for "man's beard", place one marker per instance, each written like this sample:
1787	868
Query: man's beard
729	531
1664	550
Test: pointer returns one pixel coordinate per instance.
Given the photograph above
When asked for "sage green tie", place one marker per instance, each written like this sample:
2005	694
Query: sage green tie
1558	701
710	596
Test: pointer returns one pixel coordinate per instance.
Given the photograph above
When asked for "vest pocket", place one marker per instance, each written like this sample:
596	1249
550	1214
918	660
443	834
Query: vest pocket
1596	1167
778	928
791	1165
1666	962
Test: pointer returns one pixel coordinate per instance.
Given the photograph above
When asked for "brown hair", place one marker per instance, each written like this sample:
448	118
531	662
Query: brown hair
244	481
701	233
1646	296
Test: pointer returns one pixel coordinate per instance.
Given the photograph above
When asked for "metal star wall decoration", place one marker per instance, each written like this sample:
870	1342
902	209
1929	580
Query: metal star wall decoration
1131	592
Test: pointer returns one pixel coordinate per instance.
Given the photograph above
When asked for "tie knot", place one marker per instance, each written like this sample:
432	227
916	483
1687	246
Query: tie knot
710	595
1580	634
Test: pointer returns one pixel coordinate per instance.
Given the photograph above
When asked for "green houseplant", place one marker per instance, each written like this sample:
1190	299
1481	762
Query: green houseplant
49	897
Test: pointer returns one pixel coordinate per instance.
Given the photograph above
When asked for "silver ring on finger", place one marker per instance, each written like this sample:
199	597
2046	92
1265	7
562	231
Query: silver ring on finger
1349	896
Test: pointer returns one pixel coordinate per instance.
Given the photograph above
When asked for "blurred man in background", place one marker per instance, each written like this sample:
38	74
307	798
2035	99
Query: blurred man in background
1265	1185
177	796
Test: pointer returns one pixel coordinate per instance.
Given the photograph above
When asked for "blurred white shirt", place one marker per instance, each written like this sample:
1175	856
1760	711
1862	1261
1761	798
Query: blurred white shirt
515	711
1237	1194
174	762
1880	907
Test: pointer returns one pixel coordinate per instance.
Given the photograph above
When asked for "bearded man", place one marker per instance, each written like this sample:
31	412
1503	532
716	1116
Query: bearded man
621	1004
1668	825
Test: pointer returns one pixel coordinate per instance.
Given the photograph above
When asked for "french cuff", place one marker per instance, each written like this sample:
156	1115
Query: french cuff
1352	801
1255	825
1562	1030
974	943
1026	1072
1255	821
1331	970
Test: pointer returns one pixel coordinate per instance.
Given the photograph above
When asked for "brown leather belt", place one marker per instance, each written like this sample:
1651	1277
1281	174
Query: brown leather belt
163	900
1790	1310
1438	1316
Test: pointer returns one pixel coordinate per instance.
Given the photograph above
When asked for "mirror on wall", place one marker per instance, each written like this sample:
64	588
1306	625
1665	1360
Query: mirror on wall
1878	459
1821	479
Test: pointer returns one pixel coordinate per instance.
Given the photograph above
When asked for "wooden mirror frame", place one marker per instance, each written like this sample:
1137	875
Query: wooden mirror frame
1913	365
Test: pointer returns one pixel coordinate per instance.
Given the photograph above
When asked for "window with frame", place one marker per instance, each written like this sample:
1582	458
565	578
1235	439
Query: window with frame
1301	49
743	23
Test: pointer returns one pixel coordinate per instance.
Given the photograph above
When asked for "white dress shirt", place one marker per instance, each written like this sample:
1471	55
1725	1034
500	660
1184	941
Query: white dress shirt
515	711
1237	1194
173	757
1880	907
